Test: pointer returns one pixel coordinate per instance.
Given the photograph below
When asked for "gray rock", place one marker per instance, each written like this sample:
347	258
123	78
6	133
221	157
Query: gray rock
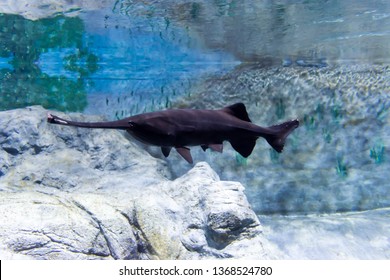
68	193
207	218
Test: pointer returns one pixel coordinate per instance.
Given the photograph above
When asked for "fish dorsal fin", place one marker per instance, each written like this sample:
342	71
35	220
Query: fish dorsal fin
185	153
238	110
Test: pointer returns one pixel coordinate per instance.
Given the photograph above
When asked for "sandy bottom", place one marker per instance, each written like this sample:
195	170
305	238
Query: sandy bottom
357	235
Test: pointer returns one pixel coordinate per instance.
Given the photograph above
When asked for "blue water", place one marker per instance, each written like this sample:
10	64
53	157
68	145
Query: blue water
324	62
147	54
105	55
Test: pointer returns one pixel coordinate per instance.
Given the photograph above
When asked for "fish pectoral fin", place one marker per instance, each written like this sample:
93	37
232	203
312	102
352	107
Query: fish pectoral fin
166	151
244	146
216	147
185	153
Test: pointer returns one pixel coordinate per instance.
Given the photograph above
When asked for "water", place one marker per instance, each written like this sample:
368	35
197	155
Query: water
324	62
101	57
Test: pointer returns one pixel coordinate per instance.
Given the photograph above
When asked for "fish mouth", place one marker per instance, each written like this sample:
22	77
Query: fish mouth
50	118
54	119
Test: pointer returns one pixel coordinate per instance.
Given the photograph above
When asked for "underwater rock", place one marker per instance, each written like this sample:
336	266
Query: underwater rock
205	217
51	157
68	193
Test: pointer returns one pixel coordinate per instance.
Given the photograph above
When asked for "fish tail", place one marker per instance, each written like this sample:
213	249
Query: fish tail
278	134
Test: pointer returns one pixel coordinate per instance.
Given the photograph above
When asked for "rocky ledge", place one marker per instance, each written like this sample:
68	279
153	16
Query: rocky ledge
69	193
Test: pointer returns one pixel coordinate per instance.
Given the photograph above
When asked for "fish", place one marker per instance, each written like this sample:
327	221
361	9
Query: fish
184	128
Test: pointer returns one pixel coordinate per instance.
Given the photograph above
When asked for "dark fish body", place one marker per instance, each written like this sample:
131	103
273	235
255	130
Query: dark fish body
186	127
182	128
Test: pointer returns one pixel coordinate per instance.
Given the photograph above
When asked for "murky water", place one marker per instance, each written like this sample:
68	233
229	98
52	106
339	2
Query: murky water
324	62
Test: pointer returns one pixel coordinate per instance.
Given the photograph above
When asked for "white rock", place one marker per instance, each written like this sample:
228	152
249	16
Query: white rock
69	193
